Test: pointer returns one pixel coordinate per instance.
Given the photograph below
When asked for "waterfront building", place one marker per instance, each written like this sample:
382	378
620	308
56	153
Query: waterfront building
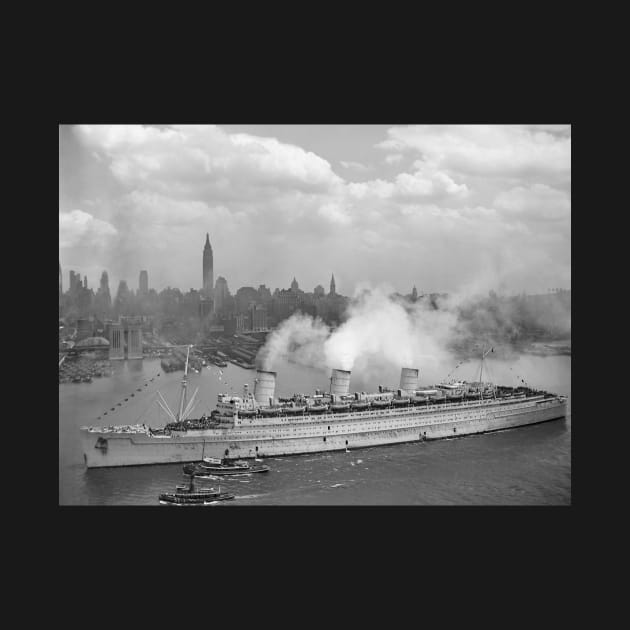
319	291
258	317
125	338
85	328
208	270
332	286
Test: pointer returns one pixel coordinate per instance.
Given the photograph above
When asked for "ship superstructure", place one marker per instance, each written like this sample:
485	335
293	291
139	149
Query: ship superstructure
257	424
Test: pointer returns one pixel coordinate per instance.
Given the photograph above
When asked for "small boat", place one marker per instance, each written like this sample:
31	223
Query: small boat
380	403
269	411
359	406
400	401
340	406
317	408
188	496
291	410
247	413
215	466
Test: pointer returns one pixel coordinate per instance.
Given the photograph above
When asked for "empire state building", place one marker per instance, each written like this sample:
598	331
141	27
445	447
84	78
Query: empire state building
208	272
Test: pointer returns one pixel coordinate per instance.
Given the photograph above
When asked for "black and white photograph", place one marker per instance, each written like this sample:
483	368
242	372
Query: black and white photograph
314	315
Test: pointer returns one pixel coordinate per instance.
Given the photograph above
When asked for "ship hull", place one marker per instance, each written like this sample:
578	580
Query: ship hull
291	436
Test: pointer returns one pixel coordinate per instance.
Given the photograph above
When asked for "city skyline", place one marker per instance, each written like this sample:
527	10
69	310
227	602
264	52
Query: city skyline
438	207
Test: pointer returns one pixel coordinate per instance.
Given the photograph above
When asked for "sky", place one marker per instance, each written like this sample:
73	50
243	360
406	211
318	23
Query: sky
445	208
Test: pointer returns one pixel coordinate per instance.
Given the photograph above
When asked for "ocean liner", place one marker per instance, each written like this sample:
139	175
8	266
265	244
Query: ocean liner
260	425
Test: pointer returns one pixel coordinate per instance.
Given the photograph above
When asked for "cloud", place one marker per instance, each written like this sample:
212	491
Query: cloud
535	202
335	213
488	150
425	182
79	228
393	158
205	161
357	166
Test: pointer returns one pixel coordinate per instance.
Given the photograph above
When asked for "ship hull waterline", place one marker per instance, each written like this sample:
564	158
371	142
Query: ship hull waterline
316	434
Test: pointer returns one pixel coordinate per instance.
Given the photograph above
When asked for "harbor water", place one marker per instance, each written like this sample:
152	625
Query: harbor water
525	466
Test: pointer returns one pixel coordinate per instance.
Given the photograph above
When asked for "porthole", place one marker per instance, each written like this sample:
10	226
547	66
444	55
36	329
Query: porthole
324	438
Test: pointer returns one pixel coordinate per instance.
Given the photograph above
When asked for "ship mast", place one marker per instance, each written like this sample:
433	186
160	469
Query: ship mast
184	385
483	356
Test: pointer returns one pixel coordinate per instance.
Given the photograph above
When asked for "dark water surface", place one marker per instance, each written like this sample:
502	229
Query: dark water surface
526	466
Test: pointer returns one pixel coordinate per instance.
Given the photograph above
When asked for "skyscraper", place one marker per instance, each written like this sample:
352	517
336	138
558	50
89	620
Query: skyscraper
221	293
103	297
143	285
332	285
208	272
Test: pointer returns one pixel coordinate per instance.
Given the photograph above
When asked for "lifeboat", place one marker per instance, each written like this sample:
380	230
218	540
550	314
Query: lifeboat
380	403
269	411
360	406
400	401
317	408
293	410
247	413
340	407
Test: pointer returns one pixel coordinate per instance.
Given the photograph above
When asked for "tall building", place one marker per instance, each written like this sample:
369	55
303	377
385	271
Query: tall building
332	285
143	284
103	300
85	282
75	279
123	296
221	293
294	285
208	271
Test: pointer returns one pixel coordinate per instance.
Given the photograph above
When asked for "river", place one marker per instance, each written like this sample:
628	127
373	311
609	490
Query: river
525	466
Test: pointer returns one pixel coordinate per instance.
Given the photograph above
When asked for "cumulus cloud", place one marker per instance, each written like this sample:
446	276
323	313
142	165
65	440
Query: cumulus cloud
200	160
79	228
354	165
393	158
488	150
535	202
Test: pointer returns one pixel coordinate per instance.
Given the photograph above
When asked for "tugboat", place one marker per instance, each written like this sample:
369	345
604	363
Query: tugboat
210	466
187	495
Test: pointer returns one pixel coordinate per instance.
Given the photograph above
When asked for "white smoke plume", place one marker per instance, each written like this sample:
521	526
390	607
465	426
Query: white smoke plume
380	336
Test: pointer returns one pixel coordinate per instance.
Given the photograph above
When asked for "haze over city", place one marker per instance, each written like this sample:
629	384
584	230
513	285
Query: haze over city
444	208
